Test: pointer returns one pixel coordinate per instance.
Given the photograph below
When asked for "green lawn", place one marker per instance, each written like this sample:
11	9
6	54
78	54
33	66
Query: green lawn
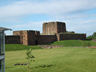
72	43
67	59
18	47
65	43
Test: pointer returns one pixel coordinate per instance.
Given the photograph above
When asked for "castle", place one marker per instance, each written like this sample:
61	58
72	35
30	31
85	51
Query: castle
52	31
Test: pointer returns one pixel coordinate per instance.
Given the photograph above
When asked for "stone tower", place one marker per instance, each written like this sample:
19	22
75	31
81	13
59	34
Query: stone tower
52	28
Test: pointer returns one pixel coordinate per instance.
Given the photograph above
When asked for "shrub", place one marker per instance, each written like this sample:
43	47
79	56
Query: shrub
30	58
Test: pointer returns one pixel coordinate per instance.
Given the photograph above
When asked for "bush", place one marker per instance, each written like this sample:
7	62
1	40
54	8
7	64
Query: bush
92	36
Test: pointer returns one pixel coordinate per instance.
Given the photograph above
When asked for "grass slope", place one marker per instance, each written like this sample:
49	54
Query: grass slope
15	47
66	43
74	43
54	60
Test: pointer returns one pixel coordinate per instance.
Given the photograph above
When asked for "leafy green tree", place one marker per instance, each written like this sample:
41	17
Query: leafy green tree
92	36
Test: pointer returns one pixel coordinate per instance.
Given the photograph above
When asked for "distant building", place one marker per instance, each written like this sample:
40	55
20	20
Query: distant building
52	31
2	49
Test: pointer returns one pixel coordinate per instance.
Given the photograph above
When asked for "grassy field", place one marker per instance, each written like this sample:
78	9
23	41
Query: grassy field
72	43
66	59
18	47
65	43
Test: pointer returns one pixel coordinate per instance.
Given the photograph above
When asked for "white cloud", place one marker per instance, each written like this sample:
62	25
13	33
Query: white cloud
51	7
29	26
82	26
57	9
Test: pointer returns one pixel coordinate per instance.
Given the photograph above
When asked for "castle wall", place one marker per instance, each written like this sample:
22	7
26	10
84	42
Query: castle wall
61	27
52	28
24	38
27	37
52	31
33	37
19	33
12	39
71	37
46	39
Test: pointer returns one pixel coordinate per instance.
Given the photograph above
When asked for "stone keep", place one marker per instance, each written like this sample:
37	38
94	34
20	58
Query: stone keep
52	28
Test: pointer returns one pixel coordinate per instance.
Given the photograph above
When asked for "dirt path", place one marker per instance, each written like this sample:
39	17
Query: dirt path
92	47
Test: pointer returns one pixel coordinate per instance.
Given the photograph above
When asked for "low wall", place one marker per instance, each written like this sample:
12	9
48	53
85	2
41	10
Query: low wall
46	39
12	39
71	37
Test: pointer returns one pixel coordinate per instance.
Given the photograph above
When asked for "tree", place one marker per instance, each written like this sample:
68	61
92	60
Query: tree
93	36
30	58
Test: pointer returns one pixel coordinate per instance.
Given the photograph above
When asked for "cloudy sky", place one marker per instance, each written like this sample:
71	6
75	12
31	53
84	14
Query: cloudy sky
79	15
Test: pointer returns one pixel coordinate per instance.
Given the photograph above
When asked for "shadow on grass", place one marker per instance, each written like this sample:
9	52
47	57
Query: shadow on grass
44	66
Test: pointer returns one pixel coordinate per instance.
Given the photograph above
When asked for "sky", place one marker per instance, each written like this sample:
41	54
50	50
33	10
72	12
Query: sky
79	15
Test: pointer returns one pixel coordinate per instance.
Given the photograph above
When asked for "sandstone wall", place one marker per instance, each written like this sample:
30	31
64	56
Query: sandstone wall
52	28
71	37
28	37
46	39
12	39
61	27
24	37
19	33
33	37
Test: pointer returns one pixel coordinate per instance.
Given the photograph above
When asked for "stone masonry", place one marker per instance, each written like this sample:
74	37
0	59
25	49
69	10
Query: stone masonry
71	37
52	28
12	39
52	31
27	37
